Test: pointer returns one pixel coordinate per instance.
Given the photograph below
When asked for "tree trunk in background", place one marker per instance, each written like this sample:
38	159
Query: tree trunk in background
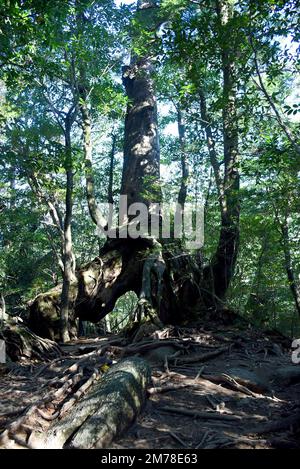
3	314
183	159
110	189
223	263
293	283
88	159
69	264
110	197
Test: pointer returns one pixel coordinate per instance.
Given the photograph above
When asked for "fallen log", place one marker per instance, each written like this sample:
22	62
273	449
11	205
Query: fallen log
105	412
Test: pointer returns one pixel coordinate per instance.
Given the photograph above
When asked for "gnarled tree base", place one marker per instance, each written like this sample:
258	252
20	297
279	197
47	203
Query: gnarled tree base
165	278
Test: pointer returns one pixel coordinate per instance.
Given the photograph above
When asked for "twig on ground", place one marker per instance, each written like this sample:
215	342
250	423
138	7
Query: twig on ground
197	414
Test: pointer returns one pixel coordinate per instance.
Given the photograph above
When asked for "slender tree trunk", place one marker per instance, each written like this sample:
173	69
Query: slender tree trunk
69	267
88	160
50	202
223	263
107	324
110	197
183	158
3	313
57	255
261	86
293	283
211	146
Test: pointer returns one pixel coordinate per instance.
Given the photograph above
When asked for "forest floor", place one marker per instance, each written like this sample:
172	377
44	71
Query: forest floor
212	387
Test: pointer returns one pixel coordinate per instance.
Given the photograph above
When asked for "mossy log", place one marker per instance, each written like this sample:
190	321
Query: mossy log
112	405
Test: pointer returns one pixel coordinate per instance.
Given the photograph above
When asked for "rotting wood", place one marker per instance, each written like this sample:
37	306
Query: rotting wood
113	404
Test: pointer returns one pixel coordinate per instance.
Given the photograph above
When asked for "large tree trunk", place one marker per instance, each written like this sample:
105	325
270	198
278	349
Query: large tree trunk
140	179
165	279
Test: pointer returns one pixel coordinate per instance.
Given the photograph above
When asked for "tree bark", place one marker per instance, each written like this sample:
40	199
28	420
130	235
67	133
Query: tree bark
110	196
183	158
293	283
3	314
69	259
223	263
88	160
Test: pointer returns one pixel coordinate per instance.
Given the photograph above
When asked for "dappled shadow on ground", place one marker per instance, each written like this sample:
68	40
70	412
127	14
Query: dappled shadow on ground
211	388
257	409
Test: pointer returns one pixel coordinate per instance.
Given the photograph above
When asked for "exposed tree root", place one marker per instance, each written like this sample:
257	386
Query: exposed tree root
21	342
279	425
201	415
57	396
114	403
171	387
153	344
201	357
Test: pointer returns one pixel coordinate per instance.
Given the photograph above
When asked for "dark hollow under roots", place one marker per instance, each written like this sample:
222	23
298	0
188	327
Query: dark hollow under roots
166	279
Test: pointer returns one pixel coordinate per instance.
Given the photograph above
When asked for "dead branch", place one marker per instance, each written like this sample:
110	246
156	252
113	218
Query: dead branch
201	415
200	357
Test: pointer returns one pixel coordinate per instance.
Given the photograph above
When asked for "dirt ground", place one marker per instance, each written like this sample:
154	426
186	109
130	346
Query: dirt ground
212	387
